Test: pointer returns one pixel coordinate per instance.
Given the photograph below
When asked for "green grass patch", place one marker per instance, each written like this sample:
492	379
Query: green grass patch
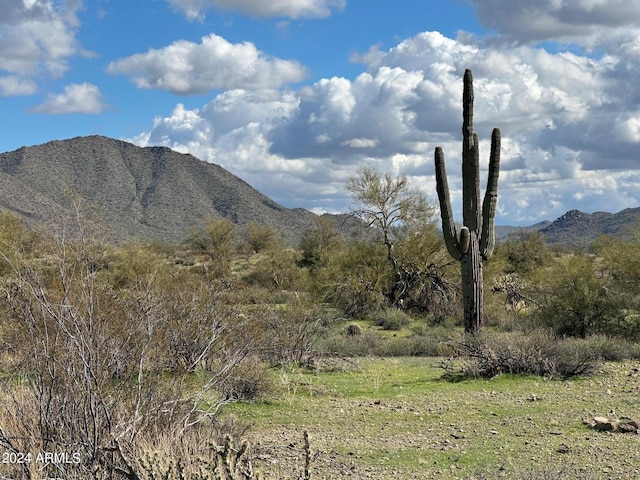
396	418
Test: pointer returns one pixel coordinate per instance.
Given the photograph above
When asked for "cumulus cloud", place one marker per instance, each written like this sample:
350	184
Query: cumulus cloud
76	98
570	124
187	68
587	22
294	9
12	86
38	37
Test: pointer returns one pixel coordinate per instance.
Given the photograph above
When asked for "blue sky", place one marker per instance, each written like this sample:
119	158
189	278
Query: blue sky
294	96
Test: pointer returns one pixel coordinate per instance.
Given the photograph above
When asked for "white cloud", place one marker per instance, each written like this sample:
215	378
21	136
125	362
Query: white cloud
628	129
361	142
187	68
570	124
76	98
38	36
12	86
194	9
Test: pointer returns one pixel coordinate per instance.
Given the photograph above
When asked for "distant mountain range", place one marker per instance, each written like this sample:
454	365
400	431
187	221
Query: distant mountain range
155	193
578	229
151	193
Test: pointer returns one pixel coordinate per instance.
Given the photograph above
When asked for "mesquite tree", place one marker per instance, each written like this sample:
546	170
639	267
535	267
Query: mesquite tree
476	239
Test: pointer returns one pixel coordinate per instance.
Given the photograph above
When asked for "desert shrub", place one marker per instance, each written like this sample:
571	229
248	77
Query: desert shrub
215	242
391	319
94	353
372	343
355	279
537	353
426	281
228	425
512	286
124	266
524	251
614	349
411	346
260	238
283	333
349	346
196	324
277	269
317	243
353	330
574	299
247	380
15	240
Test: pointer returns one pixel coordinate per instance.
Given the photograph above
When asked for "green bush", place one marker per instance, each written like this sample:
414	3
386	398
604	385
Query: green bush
391	319
354	279
259	238
613	349
411	346
524	251
350	345
318	243
574	299
277	269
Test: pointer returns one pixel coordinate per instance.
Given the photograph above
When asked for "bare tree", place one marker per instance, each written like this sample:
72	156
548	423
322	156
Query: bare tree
399	212
388	203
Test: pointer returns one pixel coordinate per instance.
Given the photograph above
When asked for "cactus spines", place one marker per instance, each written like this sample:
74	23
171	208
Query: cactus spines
477	237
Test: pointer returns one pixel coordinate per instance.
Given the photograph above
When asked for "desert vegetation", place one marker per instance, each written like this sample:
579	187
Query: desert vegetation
130	360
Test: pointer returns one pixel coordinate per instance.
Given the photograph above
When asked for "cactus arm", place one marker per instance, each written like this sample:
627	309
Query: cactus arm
465	240
446	214
487	239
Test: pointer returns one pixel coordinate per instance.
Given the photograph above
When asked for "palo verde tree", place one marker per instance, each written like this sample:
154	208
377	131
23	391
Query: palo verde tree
391	206
477	238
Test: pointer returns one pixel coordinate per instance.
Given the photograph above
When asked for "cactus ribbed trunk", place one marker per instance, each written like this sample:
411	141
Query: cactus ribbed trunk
471	266
476	238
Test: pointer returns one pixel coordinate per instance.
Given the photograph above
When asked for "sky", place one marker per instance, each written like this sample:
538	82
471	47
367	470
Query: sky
295	96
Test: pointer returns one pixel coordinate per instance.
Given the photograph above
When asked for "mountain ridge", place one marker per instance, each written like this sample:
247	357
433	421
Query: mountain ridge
576	228
149	193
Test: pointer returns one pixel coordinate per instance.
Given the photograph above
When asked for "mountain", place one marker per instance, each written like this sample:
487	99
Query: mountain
151	193
579	229
576	228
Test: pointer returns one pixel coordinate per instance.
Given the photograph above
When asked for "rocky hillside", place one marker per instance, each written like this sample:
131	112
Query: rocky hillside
149	193
576	228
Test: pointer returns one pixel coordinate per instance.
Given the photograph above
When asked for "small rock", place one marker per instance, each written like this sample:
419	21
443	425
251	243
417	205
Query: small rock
627	427
590	422
606	426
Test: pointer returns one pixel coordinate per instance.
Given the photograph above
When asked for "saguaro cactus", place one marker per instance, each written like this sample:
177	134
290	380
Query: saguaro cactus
477	238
